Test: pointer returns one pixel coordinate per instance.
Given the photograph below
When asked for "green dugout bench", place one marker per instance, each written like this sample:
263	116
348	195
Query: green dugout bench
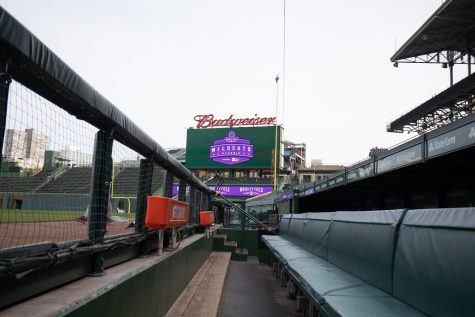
380	263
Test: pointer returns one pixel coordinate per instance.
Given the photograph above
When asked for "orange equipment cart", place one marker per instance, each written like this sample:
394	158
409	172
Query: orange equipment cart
206	218
164	212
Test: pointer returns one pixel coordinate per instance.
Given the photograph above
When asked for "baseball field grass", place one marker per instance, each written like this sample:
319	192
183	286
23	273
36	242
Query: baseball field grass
21	216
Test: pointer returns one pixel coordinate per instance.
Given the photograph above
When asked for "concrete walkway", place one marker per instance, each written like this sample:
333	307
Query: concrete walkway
202	295
252	290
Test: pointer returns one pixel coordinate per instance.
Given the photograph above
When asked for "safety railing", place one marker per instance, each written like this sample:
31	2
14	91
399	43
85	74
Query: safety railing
94	210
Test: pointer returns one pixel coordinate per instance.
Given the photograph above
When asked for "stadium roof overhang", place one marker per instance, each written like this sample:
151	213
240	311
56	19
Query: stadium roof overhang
452	104
446	37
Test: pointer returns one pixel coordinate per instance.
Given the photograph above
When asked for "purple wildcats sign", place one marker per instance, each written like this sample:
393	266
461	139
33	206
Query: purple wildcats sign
231	150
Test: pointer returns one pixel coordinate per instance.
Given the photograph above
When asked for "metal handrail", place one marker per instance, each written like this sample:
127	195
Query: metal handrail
245	213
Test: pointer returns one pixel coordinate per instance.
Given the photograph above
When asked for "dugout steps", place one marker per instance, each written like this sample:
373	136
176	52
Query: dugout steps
221	243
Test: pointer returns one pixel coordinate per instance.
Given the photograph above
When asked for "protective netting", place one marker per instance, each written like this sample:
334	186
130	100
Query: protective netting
123	189
45	171
46	176
59	174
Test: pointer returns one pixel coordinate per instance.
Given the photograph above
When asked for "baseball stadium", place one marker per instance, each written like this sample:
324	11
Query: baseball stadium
98	219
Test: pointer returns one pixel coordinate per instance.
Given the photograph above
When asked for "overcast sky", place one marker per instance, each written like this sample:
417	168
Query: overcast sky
163	62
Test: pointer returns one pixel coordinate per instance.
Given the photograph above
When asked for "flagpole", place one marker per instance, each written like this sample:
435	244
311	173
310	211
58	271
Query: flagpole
276	127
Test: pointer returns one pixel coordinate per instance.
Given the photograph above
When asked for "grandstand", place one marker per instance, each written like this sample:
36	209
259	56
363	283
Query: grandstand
126	182
77	180
71	188
16	184
179	154
74	180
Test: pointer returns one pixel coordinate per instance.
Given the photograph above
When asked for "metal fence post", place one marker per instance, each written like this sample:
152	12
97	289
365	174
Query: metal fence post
182	190
144	190
5	80
192	208
100	186
204	201
168	184
209	202
167	191
198	201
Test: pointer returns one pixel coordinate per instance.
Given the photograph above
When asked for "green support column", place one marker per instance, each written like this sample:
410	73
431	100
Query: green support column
295	202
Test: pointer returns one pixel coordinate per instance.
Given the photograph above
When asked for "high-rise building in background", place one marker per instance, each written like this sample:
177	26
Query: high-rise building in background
72	156
15	144
36	145
27	148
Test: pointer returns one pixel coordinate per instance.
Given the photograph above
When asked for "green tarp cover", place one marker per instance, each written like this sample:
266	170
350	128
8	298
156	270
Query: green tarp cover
284	224
348	236
366	302
387	263
434	268
310	231
362	243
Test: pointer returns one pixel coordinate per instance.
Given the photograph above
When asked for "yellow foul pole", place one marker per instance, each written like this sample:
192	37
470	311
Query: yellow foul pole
276	127
112	180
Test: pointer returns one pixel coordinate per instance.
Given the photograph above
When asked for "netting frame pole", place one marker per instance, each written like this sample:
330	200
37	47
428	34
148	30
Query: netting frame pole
201	207
168	184
198	200
167	191
192	206
144	190
182	190
5	80
100	186
197	205
205	205
209	201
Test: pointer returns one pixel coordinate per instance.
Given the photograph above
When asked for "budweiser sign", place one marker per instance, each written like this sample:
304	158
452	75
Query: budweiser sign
208	121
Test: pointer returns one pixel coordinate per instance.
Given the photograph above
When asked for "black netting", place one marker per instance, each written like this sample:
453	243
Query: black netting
45	172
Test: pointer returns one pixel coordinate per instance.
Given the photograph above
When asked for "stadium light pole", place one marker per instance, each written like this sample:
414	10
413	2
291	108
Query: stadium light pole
276	127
